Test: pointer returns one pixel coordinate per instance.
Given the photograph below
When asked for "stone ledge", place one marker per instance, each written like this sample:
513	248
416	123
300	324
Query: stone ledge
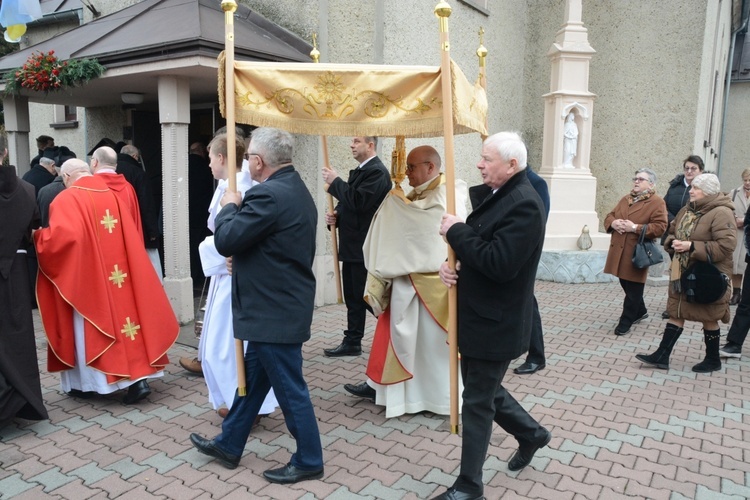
573	266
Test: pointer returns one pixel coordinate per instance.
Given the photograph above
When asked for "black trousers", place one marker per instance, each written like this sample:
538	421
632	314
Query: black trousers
354	276
536	345
741	322
485	401
633	306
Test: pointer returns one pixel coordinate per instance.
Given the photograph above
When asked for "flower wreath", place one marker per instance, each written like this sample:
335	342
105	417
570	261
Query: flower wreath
44	72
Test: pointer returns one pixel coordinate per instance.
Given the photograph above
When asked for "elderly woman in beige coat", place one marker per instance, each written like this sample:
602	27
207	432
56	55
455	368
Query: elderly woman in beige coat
642	206
705	226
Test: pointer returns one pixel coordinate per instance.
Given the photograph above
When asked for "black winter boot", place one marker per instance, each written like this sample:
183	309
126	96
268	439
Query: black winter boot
712	361
660	358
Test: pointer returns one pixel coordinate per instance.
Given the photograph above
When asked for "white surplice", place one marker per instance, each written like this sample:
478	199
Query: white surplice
216	347
84	378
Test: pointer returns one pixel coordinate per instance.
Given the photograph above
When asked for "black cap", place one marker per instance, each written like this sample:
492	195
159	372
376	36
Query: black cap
59	153
104	142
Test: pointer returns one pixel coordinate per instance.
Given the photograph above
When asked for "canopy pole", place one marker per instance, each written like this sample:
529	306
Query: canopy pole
443	11
482	55
315	56
229	7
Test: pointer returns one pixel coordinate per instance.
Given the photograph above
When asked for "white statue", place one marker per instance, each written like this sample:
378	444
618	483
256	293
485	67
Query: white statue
570	140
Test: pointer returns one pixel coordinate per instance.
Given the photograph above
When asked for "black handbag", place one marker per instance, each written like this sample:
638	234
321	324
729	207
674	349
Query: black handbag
647	252
703	283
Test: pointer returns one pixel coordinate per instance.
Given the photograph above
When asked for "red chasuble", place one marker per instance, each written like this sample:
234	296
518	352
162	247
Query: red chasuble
92	260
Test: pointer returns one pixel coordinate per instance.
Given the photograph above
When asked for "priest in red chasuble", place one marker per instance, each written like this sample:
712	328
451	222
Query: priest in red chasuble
107	319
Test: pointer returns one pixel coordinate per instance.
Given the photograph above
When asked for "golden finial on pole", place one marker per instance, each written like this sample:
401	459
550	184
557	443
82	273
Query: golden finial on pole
443	12
482	50
315	53
228	5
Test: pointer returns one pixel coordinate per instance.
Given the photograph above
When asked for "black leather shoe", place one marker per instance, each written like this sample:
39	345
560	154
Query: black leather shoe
208	447
343	350
361	390
528	368
665	315
454	494
525	452
136	392
291	474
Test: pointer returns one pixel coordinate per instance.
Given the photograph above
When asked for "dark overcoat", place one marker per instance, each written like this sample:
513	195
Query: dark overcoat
499	248
358	200
271	238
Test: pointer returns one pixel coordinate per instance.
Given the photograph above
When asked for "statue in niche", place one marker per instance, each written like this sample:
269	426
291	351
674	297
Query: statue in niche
570	140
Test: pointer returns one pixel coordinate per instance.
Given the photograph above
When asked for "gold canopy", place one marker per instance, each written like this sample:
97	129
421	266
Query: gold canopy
352	100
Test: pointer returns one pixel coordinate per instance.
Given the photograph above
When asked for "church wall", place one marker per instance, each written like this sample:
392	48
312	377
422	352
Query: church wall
736	156
649	75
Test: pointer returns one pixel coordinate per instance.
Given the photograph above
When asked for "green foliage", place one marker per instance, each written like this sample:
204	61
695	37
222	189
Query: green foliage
80	71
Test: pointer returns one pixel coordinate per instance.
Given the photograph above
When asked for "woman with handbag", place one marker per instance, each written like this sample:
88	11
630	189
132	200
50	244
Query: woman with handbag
641	209
701	239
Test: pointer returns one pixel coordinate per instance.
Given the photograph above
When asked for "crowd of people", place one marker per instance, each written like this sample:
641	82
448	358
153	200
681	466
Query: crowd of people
110	328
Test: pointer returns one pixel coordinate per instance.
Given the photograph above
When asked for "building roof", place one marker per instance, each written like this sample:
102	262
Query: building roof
156	37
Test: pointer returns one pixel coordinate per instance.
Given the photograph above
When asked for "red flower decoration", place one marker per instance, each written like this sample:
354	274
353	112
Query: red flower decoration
41	72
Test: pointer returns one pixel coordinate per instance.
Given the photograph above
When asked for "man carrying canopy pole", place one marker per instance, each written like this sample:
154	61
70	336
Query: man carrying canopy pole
495	302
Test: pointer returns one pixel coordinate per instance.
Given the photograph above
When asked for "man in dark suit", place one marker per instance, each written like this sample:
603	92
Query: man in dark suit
270	235
535	359
358	200
129	165
498	250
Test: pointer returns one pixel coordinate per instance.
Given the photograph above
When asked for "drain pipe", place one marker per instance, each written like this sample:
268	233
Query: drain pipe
745	9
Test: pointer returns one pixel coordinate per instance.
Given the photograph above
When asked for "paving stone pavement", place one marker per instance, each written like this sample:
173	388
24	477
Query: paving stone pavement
620	429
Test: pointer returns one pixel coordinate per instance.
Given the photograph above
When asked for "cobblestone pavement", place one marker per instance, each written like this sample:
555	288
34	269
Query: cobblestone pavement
620	429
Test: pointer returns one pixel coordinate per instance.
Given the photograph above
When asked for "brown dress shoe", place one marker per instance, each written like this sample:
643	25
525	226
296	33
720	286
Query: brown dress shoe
192	365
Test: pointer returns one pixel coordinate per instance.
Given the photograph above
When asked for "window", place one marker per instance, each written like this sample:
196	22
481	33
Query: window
66	116
480	5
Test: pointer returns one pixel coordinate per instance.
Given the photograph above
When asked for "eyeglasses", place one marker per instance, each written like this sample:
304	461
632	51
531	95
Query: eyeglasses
690	169
248	155
411	166
640	179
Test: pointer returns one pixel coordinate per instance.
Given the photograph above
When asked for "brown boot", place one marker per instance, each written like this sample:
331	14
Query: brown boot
192	365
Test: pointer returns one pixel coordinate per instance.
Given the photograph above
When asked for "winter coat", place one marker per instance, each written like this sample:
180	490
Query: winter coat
676	196
714	233
653	212
741	205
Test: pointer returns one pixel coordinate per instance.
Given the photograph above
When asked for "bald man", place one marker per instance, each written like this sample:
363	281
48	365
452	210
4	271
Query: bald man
107	319
407	371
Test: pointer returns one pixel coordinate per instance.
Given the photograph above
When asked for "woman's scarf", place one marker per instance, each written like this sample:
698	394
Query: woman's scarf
634	197
681	259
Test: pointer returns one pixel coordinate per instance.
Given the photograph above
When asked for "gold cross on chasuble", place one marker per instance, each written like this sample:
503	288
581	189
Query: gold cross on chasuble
108	222
117	277
129	329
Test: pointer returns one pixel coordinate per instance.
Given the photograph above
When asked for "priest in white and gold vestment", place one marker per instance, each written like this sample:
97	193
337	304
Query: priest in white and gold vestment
408	370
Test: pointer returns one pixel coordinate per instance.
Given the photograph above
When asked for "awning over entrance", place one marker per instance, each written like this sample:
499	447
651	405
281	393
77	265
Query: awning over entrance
157	37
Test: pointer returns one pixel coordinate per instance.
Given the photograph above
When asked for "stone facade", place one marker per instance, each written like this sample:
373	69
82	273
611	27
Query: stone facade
657	73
